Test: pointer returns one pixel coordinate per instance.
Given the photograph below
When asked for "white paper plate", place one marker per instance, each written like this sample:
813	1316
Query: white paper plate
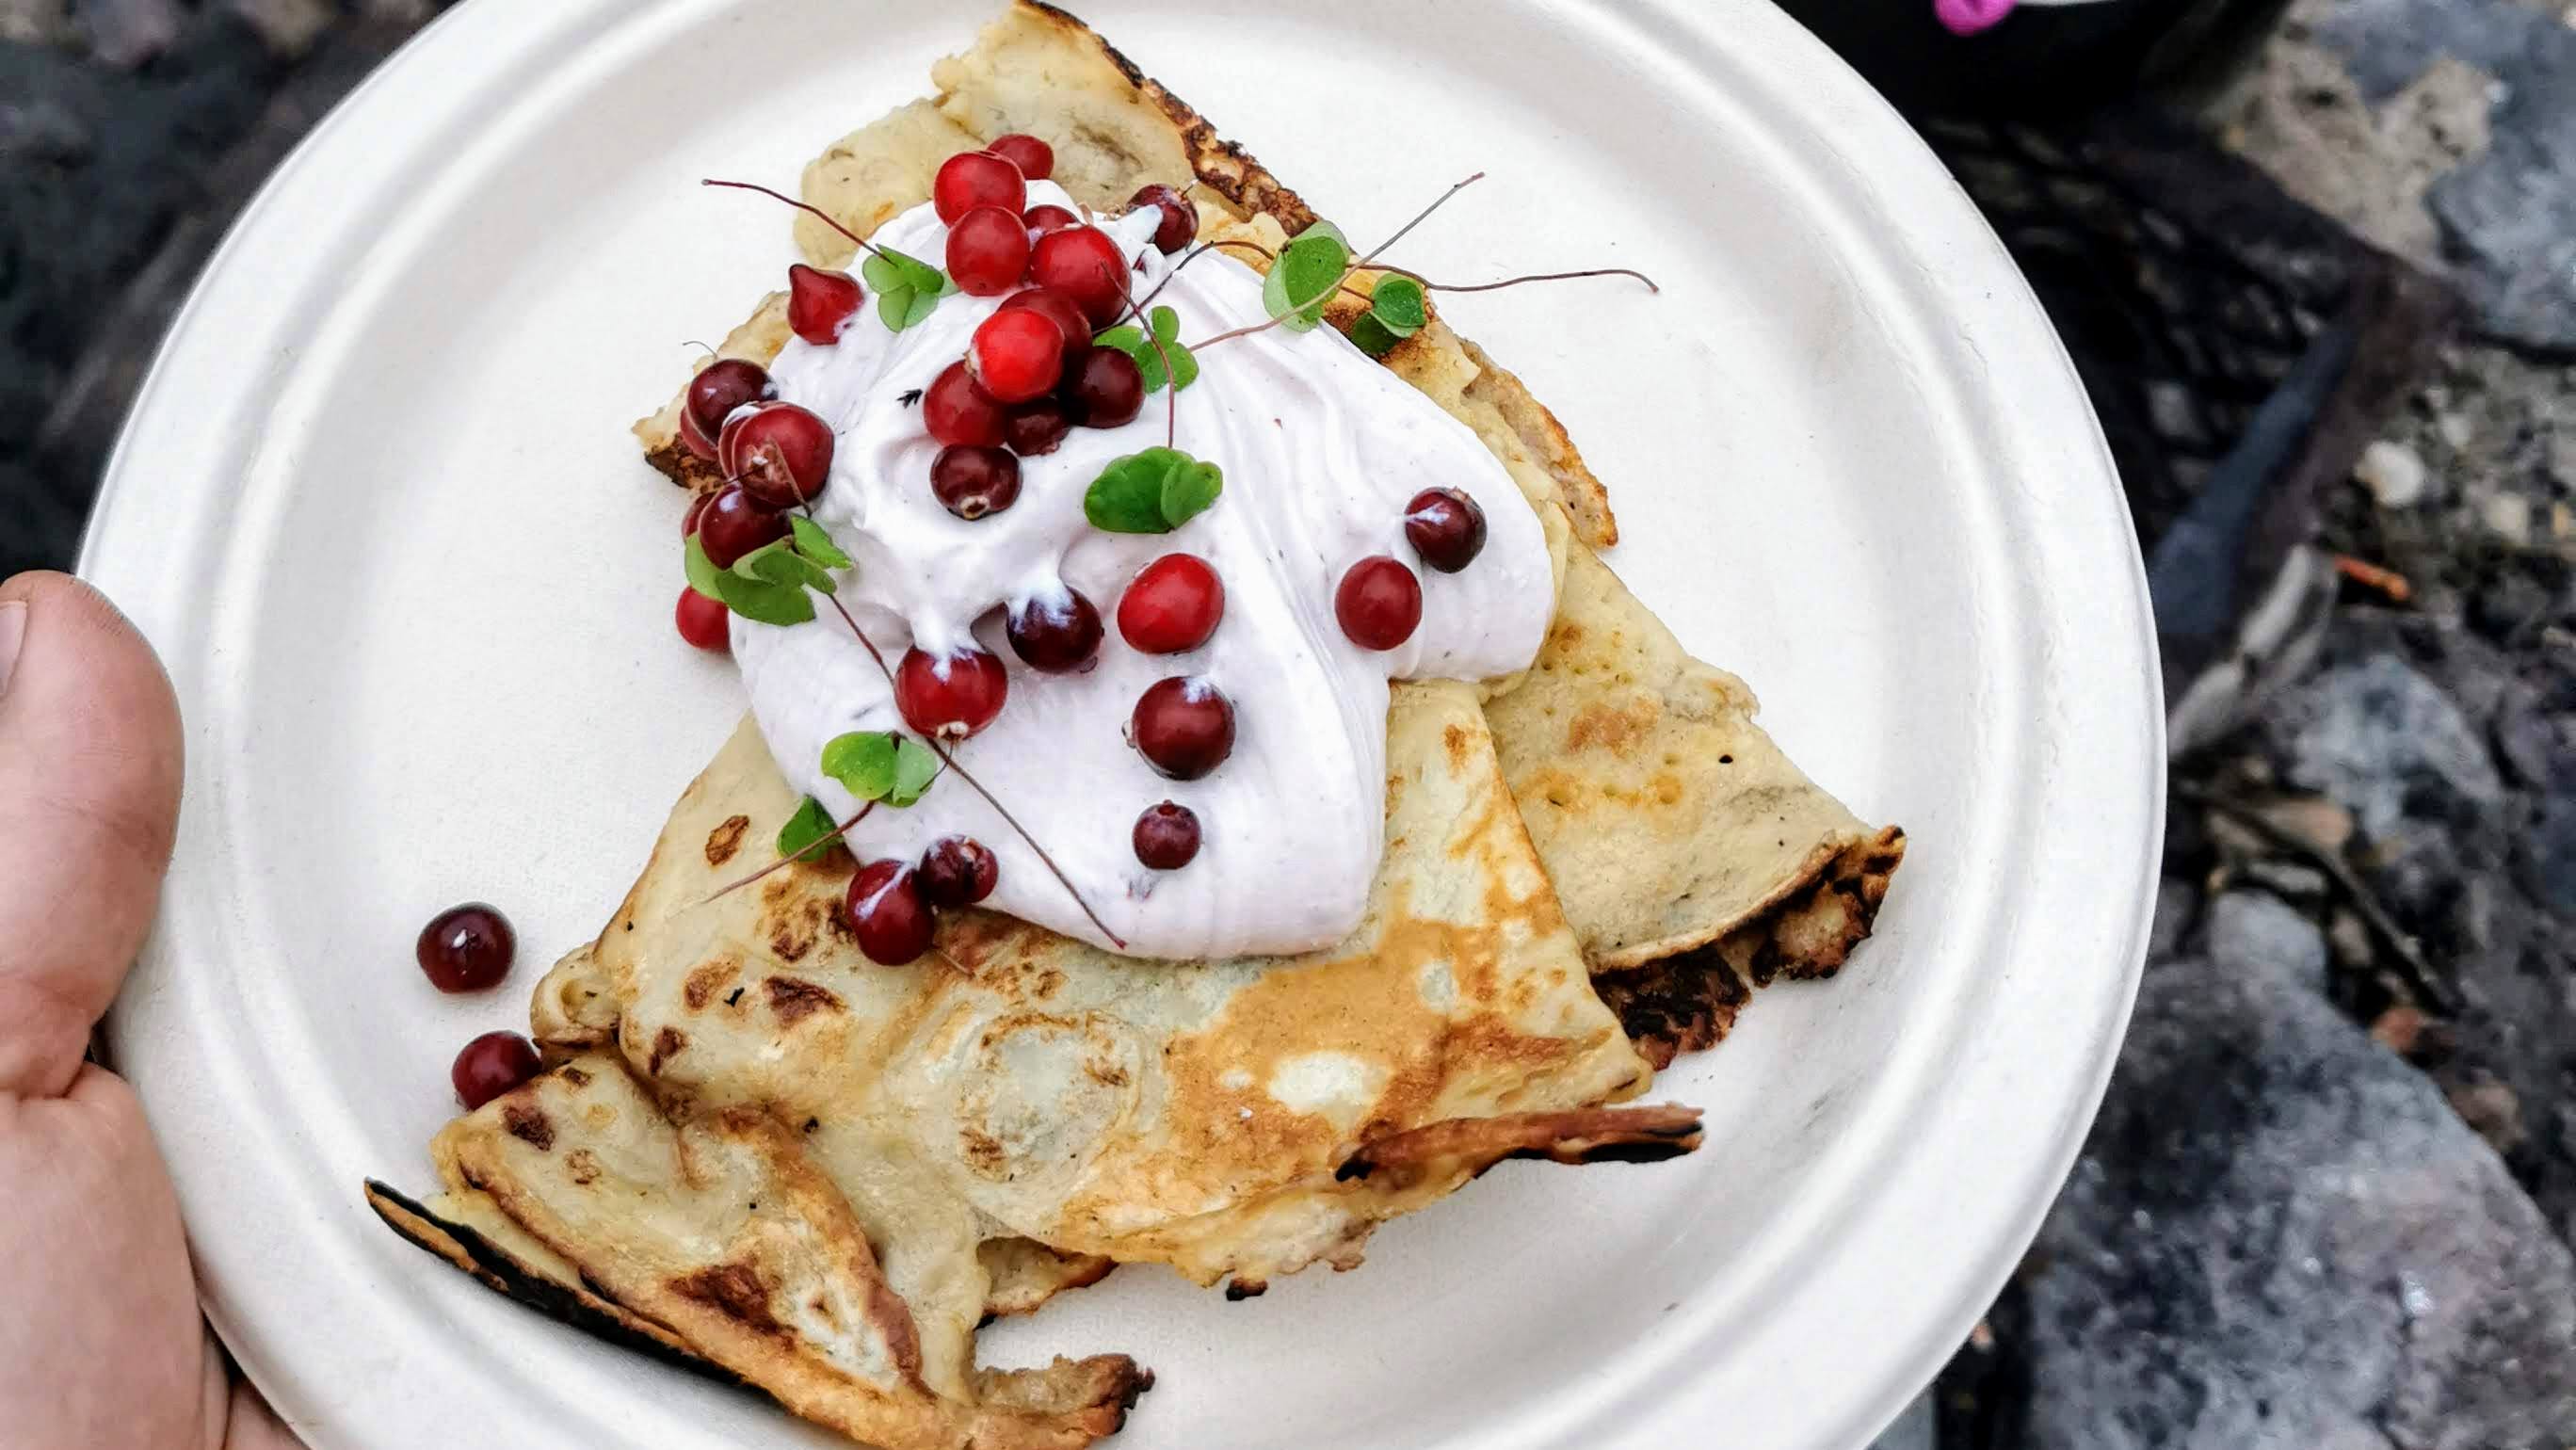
378	508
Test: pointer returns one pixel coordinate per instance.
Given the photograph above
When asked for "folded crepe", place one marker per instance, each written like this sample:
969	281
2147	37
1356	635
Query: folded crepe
1588	868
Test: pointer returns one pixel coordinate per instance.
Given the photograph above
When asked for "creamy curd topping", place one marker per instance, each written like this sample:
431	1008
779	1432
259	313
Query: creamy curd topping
1321	449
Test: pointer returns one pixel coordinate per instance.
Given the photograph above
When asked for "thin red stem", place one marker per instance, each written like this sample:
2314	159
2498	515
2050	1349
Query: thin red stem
825	217
1431	286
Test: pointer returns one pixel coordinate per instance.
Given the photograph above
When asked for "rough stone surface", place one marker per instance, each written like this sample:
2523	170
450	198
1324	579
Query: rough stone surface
2394	474
2386	743
2281	1235
2253	927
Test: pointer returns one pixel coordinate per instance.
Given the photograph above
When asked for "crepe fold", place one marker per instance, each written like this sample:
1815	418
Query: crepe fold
768	1157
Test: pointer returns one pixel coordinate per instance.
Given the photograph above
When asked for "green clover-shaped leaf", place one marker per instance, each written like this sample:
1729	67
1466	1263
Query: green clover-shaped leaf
805	829
863	762
1150	354
815	544
1151	492
908	289
754	597
915	767
1304	278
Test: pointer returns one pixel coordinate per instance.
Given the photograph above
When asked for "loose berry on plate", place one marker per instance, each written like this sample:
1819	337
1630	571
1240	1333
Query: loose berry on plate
1043	219
1016	354
1180	224
1037	427
1172	605
971	179
1055	635
888	913
949	697
971	480
1446	528
1104	389
735	523
956	409
1167	836
703	621
491	1065
1183	726
1035	158
1379	603
466	948
782	453
958	871
821	303
988	251
1060	309
1086	265
719	388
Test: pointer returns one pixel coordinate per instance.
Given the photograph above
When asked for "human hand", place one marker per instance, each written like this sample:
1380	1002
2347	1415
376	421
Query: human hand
101	1343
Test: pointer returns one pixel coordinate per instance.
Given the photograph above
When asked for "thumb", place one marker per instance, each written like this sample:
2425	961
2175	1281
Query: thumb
89	799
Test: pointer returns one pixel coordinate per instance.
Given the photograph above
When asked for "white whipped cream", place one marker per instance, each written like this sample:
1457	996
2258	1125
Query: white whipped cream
1321	449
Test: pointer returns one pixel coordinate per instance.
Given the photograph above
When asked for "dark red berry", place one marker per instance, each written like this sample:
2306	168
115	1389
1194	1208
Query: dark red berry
1104	389
703	621
1016	354
1060	309
820	303
1037	427
971	179
1047	218
949	697
956	409
1446	528
1180	224
719	388
1086	265
1183	726
466	948
1035	158
735	523
491	1065
1167	836
988	251
958	871
1379	603
697	507
971	481
1055	634
1172	605
782	453
888	914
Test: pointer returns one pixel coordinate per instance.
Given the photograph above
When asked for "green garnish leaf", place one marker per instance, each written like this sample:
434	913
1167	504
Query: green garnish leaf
863	762
1124	337
1304	278
762	600
1372	337
815	544
880	273
1398	306
810	824
701	570
919	308
908	289
777	562
1149	357
915	767
1152	492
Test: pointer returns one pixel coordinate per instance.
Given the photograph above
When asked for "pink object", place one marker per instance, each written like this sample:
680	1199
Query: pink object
1967	17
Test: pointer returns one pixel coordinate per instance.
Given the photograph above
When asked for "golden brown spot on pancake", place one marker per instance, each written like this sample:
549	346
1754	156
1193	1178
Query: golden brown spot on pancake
795	919
703	982
1611	727
529	1126
666	1044
794	999
574	1075
981	1150
1667	788
583	1165
1107	1074
726	839
1459	743
736	1292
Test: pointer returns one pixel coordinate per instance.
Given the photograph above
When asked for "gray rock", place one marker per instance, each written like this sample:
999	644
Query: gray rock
2545	858
2280	1235
2258	929
2394	474
2388	744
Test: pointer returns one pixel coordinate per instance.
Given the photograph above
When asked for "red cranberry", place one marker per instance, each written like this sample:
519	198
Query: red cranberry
782	453
491	1065
1055	635
820	304
722	386
888	914
1379	603
956	409
1446	528
988	251
1084	264
1172	605
1037	427
958	871
1167	836
697	506
735	523
1183	726
973	481
1035	158
694	439
1043	219
949	697
702	621
971	179
1105	389
1017	355
1060	309
1180	224
466	948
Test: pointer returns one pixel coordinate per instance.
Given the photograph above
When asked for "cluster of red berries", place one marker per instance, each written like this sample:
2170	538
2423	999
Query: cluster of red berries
775	456
894	906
